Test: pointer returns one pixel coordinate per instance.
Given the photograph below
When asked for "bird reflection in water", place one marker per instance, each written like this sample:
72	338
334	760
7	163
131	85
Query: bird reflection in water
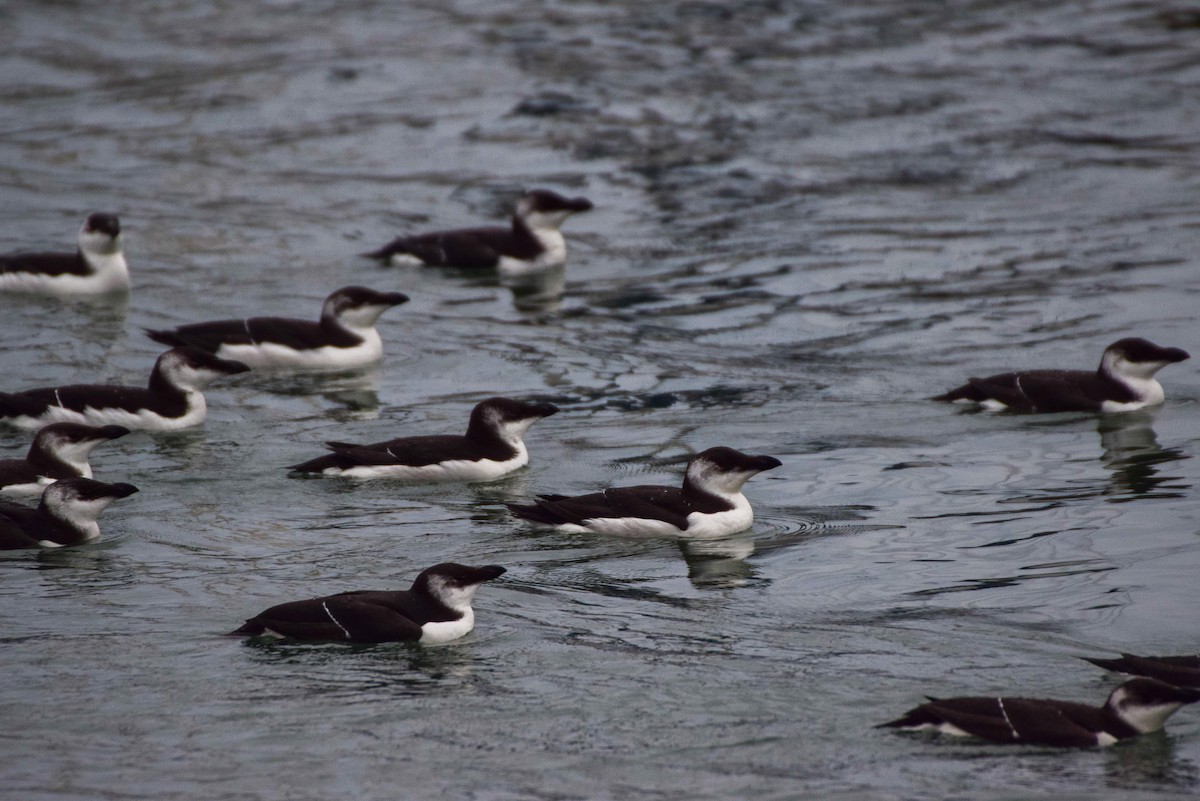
1132	453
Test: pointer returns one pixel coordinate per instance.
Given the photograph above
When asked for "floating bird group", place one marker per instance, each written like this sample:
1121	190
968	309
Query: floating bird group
74	419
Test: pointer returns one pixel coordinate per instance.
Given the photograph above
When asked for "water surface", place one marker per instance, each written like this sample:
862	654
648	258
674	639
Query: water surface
809	216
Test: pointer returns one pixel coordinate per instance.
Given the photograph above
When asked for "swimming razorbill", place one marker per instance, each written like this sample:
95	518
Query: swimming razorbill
532	243
343	338
491	448
96	268
1139	706
59	450
66	514
1123	382
710	503
172	400
1182	671
436	609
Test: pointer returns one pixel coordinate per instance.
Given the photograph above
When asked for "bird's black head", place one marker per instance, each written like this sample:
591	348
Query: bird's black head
103	223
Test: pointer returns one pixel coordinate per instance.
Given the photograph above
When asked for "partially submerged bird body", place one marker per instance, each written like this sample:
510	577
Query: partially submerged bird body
66	515
59	450
1123	382
172	400
533	242
1182	671
492	447
1138	706
710	503
344	337
97	267
436	609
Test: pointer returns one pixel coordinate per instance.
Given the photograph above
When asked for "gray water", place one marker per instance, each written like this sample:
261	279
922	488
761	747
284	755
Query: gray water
809	216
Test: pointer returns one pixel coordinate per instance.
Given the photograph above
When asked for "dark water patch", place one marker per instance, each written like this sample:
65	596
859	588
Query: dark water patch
1005	582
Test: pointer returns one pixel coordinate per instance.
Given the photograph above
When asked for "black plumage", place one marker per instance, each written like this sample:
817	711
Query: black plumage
60	516
482	248
1182	671
1136	707
163	394
486	438
1073	390
671	505
373	616
300	335
45	457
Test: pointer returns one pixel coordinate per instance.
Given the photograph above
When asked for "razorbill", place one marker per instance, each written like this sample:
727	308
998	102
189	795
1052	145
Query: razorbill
1139	706
532	243
172	400
97	267
436	609
66	514
343	338
491	448
1123	382
1182	671
59	450
710	503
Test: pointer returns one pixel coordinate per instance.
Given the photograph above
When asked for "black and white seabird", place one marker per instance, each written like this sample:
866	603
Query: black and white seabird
59	450
1139	706
532	243
436	609
1123	382
343	338
173	399
492	447
66	514
710	504
1182	671
96	268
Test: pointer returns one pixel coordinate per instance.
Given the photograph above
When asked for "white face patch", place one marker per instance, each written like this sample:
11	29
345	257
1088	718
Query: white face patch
181	374
78	513
1138	377
451	594
356	317
1116	365
75	453
711	478
512	431
1143	718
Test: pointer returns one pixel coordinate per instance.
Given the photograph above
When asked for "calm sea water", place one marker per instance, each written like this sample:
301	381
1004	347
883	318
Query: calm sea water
809	216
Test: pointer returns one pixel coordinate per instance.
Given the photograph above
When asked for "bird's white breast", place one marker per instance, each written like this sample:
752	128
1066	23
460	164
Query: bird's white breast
445	631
